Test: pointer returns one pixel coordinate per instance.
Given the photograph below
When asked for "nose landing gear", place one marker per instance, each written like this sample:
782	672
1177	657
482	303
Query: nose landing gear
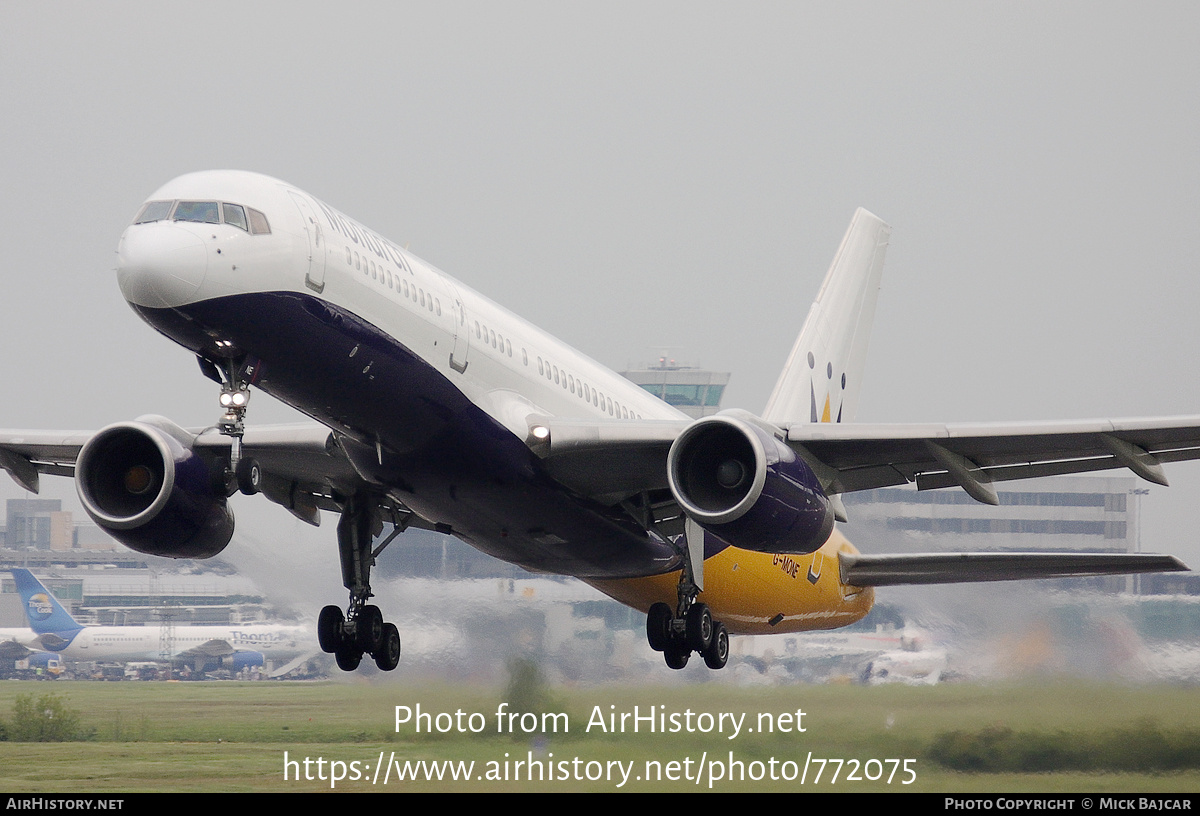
234	375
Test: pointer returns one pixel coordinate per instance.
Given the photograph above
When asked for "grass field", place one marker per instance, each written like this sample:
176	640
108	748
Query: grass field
182	737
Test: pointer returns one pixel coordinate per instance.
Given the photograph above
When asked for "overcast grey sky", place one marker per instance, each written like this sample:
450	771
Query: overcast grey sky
635	176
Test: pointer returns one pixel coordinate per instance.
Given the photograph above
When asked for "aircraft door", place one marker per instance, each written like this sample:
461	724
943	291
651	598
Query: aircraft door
314	276
462	337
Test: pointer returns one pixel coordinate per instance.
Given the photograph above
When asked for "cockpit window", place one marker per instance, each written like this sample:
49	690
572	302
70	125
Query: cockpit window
153	211
258	222
203	212
234	215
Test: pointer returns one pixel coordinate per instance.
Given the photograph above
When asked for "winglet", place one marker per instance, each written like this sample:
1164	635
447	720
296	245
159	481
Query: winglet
823	375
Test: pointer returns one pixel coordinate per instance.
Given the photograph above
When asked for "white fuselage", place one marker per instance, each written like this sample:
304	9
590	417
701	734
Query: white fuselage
120	644
503	364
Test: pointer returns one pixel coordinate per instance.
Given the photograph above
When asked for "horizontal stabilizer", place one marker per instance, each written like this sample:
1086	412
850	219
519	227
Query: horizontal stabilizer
950	568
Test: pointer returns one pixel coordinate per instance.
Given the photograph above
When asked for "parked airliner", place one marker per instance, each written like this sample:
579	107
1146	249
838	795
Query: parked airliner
235	647
435	407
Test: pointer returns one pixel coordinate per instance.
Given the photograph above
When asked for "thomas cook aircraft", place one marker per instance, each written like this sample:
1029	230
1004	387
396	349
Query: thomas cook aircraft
437	408
235	647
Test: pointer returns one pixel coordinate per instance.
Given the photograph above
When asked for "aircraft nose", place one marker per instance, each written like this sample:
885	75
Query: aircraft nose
161	265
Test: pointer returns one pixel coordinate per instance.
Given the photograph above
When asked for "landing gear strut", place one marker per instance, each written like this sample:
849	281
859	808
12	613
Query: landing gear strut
689	627
242	474
362	629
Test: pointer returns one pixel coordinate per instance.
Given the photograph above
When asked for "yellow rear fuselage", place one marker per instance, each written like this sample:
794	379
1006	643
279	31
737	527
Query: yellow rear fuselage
760	593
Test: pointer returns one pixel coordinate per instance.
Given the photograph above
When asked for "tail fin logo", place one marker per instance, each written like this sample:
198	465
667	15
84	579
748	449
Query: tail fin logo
40	607
825	414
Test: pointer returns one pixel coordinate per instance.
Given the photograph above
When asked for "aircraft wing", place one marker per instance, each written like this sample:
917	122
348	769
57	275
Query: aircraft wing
25	454
865	456
611	461
211	648
304	467
606	460
621	461
12	650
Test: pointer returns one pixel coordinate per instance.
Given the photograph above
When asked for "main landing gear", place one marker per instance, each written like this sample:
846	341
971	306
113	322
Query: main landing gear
362	629
677	636
690	627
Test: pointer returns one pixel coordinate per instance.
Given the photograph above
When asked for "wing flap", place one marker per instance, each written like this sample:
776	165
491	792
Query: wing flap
25	454
949	568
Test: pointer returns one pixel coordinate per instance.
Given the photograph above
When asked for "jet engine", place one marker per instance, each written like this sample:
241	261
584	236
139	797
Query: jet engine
244	660
143	483
732	476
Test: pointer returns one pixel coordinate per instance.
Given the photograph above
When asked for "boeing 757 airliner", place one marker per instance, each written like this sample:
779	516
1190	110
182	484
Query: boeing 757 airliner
435	407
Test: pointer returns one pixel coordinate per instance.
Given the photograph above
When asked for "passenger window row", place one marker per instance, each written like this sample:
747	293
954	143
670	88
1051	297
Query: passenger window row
584	391
394	282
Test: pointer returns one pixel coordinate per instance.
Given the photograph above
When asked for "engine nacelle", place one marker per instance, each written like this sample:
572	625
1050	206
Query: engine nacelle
144	484
736	480
244	660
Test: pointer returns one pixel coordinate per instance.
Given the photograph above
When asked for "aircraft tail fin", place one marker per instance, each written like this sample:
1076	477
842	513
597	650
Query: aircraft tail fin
45	614
823	375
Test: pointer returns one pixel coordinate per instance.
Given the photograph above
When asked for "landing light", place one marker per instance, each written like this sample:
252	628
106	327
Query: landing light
234	399
540	431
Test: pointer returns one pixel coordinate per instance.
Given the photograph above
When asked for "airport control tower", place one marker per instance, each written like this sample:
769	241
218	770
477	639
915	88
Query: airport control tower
695	391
